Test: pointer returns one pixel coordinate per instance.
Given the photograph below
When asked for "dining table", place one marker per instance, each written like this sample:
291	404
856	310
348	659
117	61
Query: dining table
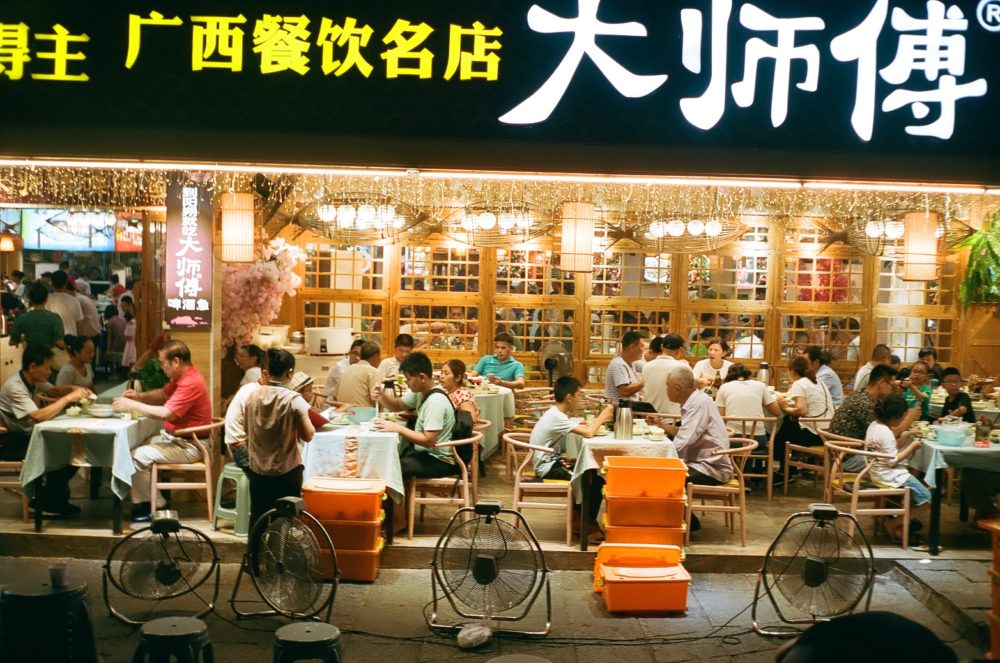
590	454
87	441
495	406
376	457
981	408
933	458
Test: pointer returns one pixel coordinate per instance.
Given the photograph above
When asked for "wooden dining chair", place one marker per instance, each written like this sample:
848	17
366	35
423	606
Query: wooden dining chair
804	458
835	478
731	495
199	436
524	487
754	427
862	488
481	426
438	492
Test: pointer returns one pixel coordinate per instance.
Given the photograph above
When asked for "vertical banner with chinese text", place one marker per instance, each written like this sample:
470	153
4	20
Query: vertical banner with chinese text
188	279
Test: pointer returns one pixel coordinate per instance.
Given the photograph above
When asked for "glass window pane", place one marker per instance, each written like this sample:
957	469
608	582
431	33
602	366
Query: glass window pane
743	333
353	268
834	280
534	272
441	269
632	275
364	319
894	290
607	326
454	327
533	327
907	335
727	277
839	335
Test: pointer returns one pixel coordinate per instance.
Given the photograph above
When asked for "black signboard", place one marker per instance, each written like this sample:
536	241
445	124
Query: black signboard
887	89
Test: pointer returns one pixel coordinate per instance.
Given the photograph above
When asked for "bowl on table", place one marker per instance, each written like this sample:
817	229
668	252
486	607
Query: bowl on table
73	411
99	410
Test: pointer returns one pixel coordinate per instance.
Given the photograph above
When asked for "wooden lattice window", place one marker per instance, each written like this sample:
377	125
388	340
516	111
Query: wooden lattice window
364	319
607	326
827	280
440	269
531	272
632	275
839	335
452	327
533	327
907	335
714	276
894	290
742	332
337	268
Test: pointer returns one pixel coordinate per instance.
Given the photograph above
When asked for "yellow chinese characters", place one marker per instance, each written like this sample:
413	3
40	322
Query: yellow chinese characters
283	44
135	23
483	53
221	38
13	50
60	55
348	35
406	37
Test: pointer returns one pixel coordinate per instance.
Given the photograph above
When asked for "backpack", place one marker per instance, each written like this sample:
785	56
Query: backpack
462	430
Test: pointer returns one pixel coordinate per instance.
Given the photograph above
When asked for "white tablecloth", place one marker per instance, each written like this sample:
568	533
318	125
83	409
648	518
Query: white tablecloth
981	410
932	456
378	456
87	441
494	408
590	453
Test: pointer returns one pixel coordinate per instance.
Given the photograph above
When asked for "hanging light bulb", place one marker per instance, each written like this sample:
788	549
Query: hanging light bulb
386	214
506	221
713	228
657	229
874	229
696	227
326	213
398	222
468	223
675	228
487	220
346	215
894	229
366	215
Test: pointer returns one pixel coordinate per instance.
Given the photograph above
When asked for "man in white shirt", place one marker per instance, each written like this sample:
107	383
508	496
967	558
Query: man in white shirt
358	379
881	354
750	346
621	380
90	326
654	373
389	367
337	370
64	304
83	285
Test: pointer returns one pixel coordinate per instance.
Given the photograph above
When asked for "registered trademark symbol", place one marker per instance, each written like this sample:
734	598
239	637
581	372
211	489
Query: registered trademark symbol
988	13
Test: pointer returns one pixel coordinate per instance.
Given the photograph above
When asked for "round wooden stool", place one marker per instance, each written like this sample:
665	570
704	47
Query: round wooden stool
46	623
184	638
307	640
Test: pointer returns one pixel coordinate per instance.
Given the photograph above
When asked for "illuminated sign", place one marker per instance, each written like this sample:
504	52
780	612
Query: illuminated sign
867	82
189	256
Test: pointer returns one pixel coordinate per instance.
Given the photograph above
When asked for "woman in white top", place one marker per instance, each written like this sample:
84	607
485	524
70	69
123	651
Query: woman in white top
806	398
713	370
747	399
249	358
78	371
892	471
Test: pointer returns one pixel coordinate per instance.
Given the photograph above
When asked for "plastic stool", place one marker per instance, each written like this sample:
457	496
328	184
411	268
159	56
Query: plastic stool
240	515
184	638
45	623
305	641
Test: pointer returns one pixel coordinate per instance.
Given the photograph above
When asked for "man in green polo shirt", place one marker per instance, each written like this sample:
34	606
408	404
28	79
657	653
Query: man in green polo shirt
501	368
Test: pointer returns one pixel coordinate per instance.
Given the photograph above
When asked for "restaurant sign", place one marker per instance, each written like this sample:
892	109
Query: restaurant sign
860	79
188	277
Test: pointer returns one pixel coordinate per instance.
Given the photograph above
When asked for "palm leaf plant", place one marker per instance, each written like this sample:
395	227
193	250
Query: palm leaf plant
982	275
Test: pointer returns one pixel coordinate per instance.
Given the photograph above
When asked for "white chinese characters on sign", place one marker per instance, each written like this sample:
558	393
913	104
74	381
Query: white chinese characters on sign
585	28
188	272
933	46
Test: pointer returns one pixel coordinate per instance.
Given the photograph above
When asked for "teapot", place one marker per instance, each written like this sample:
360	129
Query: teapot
623	420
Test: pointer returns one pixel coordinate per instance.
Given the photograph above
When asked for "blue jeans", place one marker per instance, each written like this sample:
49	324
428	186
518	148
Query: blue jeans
919	493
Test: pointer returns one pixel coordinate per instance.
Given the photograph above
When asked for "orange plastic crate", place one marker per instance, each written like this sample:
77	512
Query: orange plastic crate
645	589
354	535
663	536
633	476
360	565
633	554
329	498
645	511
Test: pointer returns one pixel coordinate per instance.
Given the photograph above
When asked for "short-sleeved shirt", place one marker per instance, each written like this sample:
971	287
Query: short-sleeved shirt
387	368
17	402
235	415
704	368
356	384
508	370
853	417
952	404
68	308
701	435
437	414
620	372
654	375
91	318
68	376
879	438
116	333
550	431
925	405
829	377
819	404
744	398
461	396
39	327
863	375
272	436
188	400
333	379
252	374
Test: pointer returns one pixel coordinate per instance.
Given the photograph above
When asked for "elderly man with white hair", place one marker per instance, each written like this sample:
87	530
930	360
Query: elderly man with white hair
701	434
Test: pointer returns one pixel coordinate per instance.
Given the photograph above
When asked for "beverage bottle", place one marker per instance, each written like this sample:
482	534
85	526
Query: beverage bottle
764	373
135	384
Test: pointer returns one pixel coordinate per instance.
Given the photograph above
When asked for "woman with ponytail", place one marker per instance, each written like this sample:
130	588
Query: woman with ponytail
806	398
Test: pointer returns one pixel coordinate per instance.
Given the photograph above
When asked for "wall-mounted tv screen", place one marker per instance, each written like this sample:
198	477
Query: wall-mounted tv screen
128	232
65	230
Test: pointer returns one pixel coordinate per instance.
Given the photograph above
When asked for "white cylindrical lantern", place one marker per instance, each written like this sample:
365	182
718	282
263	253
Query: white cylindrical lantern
577	247
238	237
7	243
920	247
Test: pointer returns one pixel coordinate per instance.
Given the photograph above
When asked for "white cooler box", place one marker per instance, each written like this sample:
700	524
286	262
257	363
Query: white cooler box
328	340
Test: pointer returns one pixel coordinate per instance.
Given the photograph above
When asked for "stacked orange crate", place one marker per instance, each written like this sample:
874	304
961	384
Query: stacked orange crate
993	527
645	499
350	510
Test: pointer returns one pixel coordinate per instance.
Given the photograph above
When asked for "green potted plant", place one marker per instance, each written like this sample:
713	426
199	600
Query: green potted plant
981	284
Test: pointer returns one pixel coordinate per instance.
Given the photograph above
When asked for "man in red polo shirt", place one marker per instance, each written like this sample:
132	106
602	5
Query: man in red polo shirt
183	403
